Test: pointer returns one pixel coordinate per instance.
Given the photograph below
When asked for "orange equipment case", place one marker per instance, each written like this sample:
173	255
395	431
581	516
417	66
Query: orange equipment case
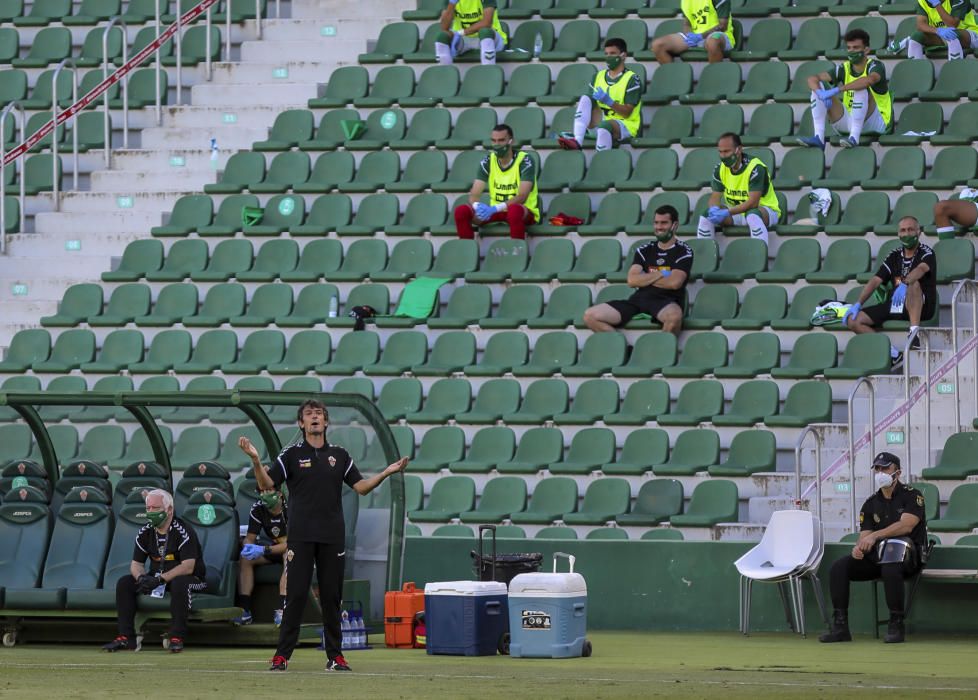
399	610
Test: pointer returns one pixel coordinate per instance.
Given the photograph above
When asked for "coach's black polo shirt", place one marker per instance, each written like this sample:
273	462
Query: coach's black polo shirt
168	551
275	526
315	477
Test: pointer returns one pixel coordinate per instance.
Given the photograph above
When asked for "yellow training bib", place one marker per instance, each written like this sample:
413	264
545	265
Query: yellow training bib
736	186
617	93
468	12
701	16
505	184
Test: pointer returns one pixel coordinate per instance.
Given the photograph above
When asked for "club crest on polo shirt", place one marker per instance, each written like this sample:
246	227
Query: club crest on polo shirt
275	532
305	463
332	461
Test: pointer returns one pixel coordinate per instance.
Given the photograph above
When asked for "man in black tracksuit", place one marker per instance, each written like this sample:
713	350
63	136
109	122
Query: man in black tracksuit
315	472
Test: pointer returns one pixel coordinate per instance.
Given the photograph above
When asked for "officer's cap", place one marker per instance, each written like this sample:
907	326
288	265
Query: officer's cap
885	459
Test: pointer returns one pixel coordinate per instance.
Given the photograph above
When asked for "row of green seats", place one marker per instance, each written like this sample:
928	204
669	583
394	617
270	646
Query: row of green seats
52	45
134	12
554	532
556	499
14	87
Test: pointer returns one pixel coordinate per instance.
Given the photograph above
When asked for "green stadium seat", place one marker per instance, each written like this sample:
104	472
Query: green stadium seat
957	260
756	353
450	496
957	460
427	125
566	305
811	355
42	96
900	167
306	350
465	307
604	500
450	352
714	84
194	47
128	301
742	259
354	351
916	204
698	401
605	168
333	169
375	213
518	304
194	445
436	84
376	169
804	302
607	533
561	169
843	261
166	349
552	352
439	447
61	384
645	400
576	38
952	165
43	13
568	9
461	174
345	84
750	452
479	84
174	302
799	168
402	351
653	167
592	400
496	398
752	402
242	169
455	258
471	129
712	502
330	133
864	355
694	451
651	353
490	446
71	350
932	501
139	257
189	415
884	250
214	348
184	258
667	85
287	170
910	79
599	354
446	398
526	84
398	397
16	442
543	400
50	45
222	303
410	258
568	87
806	402
9	38
770	123
394	41
453	530
596	258
390	85
328	213
190	213
816	37
796	258
769	37
919	117
590	448
955	81
424	212
363	258
552	498
30	384
658	500
961	513
422	170
799	90
643	448
274	259
80	301
958	130
111	385
259	349
702	353
762	305
696	170
503	259
503	352
120	349
537	448
850	167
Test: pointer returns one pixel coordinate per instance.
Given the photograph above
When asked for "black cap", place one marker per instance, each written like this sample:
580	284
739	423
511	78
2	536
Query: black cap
885	459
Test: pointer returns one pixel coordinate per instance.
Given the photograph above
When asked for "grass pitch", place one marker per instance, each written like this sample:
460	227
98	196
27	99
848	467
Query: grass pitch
624	665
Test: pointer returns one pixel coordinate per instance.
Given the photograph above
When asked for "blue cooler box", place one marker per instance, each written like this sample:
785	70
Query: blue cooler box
548	614
465	618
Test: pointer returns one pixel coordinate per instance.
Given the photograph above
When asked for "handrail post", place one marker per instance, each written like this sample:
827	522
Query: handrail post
179	50
107	129
972	286
227	31
55	179
207	43
852	440
818	468
20	122
257	16
906	380
158	61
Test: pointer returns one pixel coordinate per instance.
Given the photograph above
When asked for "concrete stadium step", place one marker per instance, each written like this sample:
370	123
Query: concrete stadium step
175	180
347	13
279	94
173	161
180	137
221	118
63	223
280	72
269	51
96	203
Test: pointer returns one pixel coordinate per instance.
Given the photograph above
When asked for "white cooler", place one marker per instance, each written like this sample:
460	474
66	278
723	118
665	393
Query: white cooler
548	614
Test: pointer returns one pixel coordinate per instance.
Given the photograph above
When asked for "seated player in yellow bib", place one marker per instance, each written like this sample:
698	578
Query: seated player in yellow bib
614	106
859	99
743	194
959	210
470	24
707	23
951	22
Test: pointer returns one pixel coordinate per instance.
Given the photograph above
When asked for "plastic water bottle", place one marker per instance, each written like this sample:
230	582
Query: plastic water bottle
537	45
358	631
333	306
214	154
345	630
363	631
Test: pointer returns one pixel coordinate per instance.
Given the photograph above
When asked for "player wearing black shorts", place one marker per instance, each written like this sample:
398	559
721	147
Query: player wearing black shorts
912	269
659	273
315	472
268	514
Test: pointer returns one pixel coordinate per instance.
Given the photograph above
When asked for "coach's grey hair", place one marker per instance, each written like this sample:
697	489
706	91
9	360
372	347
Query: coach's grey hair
167	498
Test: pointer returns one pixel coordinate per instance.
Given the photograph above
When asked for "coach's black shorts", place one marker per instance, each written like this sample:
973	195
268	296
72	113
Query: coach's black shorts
628	308
879	313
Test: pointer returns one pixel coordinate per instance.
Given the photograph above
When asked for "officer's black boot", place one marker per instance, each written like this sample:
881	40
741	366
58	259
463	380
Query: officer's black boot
840	628
894	632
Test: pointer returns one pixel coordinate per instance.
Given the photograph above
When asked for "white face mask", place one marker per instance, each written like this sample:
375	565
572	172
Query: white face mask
882	480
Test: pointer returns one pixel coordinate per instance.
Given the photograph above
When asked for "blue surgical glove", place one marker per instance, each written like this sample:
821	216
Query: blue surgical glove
717	215
693	39
252	551
826	95
852	312
665	273
899	294
934	3
947	33
483	211
602	96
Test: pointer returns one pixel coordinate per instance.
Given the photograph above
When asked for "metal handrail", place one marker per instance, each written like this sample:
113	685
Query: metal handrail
908	470
107	129
973	286
56	180
207	44
178	47
158	64
867	381
20	123
818	467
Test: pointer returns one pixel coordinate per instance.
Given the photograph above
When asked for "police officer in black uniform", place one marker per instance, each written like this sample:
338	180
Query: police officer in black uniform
176	565
269	515
315	472
892	536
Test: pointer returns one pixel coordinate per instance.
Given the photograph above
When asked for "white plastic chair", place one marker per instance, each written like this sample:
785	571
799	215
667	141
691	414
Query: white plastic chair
790	551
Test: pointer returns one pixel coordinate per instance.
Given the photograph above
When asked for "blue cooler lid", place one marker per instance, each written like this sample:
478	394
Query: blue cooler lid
548	585
470	588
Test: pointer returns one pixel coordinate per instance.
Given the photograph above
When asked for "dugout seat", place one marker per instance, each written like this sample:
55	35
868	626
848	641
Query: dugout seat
25	529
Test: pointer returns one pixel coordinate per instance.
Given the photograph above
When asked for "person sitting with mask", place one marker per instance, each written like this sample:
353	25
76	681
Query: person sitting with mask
468	25
176	565
268	515
659	274
892	536
614	106
950	22
706	23
510	176
912	269
961	210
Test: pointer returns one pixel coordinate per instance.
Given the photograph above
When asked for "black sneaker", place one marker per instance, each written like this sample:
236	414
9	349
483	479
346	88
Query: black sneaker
915	343
895	630
120	643
896	363
279	663
176	645
338	664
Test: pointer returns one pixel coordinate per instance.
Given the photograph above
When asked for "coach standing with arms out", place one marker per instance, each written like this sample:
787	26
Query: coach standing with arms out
315	472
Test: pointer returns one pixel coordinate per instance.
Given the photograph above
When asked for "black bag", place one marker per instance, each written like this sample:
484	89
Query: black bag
361	314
